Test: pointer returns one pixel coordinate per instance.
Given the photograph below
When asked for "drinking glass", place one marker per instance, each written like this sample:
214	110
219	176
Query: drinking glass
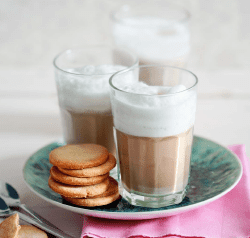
157	31
82	76
153	129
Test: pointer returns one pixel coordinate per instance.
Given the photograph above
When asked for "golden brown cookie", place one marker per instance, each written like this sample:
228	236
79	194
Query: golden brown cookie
28	231
94	171
75	191
9	228
66	179
78	156
94	202
105	198
112	188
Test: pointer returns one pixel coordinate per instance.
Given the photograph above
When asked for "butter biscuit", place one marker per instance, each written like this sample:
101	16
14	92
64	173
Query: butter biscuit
10	227
79	156
94	171
28	231
105	198
66	179
94	202
112	188
76	191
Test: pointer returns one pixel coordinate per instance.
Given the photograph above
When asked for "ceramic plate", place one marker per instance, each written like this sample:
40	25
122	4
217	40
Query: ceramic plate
214	172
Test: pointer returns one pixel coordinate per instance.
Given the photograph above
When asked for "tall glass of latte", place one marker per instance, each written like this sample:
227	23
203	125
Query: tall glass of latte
82	76
153	128
157	31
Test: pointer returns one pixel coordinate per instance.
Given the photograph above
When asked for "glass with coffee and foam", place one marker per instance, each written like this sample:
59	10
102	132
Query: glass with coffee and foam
157	31
82	76
153	128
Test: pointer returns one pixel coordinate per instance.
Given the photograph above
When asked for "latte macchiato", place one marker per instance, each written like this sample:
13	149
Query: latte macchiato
158	32
82	80
85	105
154	134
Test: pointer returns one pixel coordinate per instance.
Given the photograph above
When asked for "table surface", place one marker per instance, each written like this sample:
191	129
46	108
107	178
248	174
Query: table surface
29	120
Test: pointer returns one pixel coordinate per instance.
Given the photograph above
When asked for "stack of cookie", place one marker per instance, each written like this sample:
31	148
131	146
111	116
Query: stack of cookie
80	174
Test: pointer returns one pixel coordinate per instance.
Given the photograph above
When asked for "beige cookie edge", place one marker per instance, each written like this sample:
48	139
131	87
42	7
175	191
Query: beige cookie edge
70	180
78	191
91	172
113	188
94	202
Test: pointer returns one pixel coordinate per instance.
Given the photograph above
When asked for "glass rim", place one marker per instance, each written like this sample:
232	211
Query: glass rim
122	21
93	47
155	66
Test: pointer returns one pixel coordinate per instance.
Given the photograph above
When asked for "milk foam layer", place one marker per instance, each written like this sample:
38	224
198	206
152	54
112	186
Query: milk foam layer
153	38
155	111
86	89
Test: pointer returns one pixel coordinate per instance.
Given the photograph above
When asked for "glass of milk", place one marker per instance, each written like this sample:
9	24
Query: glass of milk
157	31
82	76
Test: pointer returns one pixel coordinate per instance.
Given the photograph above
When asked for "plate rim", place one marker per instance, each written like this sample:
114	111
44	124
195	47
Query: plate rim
142	214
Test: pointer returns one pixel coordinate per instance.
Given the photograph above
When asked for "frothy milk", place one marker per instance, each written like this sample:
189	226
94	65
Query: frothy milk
86	89
84	101
154	137
154	40
148	115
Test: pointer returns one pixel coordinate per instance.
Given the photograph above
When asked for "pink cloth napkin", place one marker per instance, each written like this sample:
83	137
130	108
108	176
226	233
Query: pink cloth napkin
227	217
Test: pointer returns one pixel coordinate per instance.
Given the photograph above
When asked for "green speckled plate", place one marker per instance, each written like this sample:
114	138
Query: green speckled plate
214	172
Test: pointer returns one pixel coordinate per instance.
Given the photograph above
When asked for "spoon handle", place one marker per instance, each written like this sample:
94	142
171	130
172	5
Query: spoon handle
36	216
45	227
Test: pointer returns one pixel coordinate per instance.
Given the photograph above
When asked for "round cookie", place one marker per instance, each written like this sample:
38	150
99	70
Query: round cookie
10	227
105	198
78	156
94	171
28	231
94	202
112	188
78	191
66	179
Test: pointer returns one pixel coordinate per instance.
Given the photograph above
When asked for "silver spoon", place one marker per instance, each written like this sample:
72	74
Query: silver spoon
6	212
11	197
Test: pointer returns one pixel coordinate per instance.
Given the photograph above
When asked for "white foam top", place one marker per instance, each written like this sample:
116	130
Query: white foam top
151	111
87	90
153	38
